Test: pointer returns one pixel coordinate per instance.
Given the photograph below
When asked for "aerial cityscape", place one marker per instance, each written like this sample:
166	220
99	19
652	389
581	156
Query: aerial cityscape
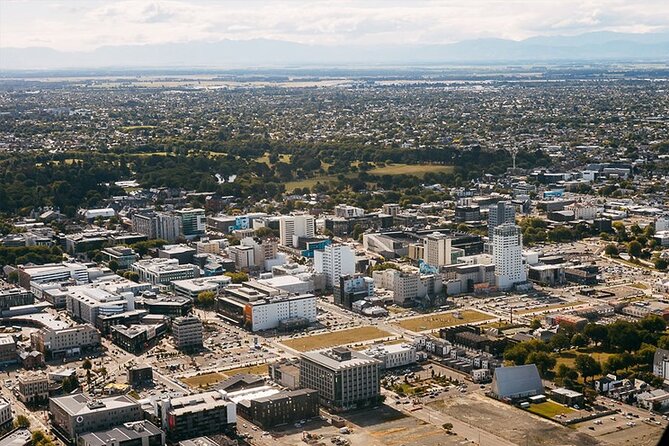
288	223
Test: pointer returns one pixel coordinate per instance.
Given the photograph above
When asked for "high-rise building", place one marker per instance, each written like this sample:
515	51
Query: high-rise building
187	332
158	225
438	251
345	379
334	261
498	214
293	226
508	255
193	222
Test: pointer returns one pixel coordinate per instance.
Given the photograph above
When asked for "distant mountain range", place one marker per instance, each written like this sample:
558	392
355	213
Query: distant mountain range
597	46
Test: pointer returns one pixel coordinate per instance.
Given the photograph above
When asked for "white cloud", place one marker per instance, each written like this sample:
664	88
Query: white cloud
86	24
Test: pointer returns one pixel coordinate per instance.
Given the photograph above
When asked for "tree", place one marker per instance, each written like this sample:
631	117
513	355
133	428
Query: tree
587	366
653	323
238	277
579	340
544	361
559	342
624	336
206	299
131	275
599	334
264	232
517	353
86	365
661	264
113	265
22	421
611	250
535	324
13	277
634	249
447	426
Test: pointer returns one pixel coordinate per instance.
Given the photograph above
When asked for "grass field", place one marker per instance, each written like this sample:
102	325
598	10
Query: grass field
410	169
283	157
132	128
207	379
343	337
435	321
204	380
549	409
309	182
550	307
418	170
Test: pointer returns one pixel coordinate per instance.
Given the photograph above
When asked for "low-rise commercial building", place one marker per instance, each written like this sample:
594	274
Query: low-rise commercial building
70	341
74	415
6	416
191	416
395	355
8	353
164	271
279	409
33	387
135	433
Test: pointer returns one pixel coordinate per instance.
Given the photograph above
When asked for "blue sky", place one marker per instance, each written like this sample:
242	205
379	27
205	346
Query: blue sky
88	24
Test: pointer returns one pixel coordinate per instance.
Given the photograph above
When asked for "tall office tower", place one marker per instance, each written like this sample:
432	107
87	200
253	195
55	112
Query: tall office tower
437	250
193	222
293	226
157	225
334	261
508	254
498	214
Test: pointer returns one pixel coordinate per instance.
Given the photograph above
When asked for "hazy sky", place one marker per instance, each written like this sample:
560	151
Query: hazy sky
87	24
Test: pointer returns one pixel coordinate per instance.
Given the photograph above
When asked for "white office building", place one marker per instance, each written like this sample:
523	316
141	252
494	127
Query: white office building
334	261
395	355
293	226
164	271
437	250
508	256
270	313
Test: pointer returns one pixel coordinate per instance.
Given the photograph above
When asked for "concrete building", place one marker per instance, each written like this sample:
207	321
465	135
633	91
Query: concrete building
33	387
395	355
408	286
74	415
438	250
122	255
280	311
193	222
135	433
508	256
11	296
243	256
352	288
190	288
661	363
158	225
345	379
140	375
293	226
285	372
86	302
8	353
195	415
334	261
346	211
187	332
6	416
65	342
52	272
277	409
164	271
264	251
499	214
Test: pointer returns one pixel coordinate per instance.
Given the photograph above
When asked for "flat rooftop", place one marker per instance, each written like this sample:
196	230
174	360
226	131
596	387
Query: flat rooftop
81	404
